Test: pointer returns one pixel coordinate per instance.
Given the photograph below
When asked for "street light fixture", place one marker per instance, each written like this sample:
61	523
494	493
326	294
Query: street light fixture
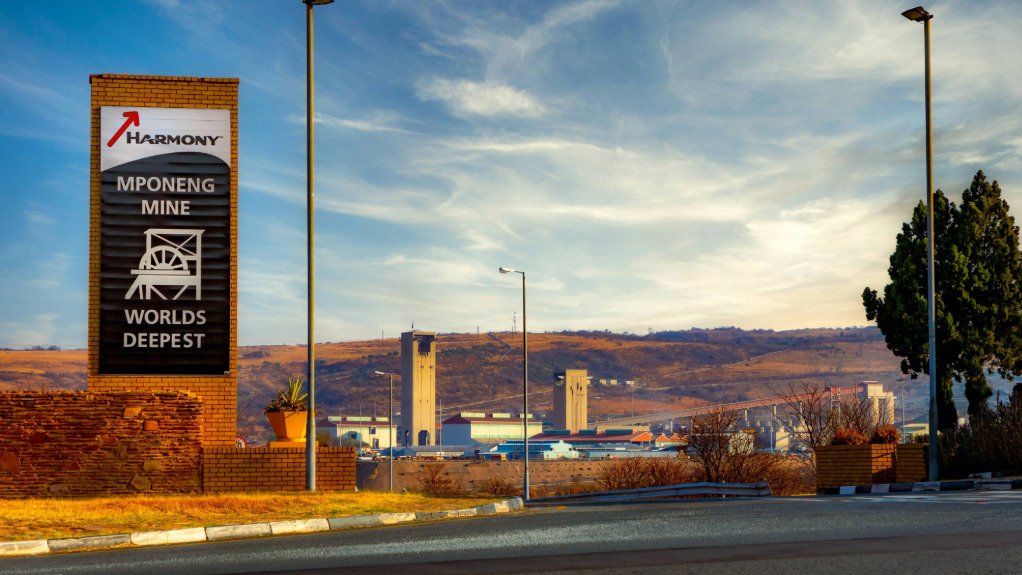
919	14
390	424
310	435
525	385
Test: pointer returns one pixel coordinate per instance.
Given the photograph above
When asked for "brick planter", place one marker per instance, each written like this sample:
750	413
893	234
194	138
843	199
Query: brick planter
280	469
838	465
910	464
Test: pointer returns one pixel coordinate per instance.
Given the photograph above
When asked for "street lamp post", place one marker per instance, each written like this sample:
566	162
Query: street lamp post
390	425
310	435
918	14
525	386
901	380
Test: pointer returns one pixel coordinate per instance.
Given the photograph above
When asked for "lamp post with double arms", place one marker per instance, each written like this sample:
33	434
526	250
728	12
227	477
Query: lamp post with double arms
919	14
525	386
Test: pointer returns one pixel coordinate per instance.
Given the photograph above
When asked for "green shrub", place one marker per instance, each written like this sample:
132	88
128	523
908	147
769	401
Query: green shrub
991	441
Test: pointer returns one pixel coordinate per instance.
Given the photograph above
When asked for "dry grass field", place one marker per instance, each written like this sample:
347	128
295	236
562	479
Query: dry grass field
40	370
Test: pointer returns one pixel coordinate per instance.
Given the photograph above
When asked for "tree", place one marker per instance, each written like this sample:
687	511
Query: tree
723	451
978	304
815	416
819	414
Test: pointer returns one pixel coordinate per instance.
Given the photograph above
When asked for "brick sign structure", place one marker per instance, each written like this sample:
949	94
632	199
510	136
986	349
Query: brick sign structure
163	240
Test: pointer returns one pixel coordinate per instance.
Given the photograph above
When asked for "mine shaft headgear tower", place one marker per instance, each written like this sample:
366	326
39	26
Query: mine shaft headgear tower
418	388
571	393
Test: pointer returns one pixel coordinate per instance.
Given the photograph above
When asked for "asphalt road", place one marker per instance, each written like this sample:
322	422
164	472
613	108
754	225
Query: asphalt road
965	532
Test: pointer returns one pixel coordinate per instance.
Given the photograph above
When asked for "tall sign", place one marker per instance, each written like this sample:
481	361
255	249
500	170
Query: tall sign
165	253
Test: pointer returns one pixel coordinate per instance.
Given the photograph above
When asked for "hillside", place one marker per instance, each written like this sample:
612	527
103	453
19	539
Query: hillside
483	372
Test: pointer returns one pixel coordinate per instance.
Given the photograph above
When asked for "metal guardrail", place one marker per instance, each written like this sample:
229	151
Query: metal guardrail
761	489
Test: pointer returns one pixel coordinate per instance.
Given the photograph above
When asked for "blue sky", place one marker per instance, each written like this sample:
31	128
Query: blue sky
649	164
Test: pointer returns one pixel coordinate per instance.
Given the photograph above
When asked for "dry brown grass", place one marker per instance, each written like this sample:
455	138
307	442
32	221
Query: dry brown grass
433	479
24	361
22	519
787	475
638	472
501	487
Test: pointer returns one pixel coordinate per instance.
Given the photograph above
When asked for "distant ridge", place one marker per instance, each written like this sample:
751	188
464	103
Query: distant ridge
482	372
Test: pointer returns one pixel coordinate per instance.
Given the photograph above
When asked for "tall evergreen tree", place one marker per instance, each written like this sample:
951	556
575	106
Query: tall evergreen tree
991	294
978	270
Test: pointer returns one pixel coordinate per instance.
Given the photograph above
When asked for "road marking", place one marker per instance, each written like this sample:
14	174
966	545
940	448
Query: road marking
966	498
962	497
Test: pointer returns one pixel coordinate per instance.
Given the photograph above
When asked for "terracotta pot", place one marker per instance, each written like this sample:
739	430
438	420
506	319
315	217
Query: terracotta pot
289	425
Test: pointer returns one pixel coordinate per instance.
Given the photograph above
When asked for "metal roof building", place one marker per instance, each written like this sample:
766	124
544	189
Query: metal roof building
467	428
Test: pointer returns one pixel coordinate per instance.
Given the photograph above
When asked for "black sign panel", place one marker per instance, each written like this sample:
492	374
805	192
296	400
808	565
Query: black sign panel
165	266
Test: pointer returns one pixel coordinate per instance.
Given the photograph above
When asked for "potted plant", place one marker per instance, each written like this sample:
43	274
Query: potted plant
288	412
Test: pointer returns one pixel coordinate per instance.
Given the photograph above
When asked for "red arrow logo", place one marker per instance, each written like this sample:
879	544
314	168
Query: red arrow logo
132	118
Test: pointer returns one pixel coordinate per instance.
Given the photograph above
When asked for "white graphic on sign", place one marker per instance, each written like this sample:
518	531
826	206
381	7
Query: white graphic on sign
173	258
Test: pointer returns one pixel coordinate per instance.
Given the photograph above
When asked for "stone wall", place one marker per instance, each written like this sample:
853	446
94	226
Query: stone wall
275	469
74	444
543	475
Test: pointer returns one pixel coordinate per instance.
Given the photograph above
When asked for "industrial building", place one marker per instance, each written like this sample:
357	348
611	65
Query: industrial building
594	437
376	432
467	428
538	449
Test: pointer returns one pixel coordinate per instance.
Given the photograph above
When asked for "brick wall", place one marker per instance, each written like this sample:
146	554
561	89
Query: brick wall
910	464
218	393
60	444
275	469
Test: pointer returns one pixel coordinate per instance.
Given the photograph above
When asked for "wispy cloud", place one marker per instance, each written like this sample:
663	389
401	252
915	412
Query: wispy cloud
481	99
359	125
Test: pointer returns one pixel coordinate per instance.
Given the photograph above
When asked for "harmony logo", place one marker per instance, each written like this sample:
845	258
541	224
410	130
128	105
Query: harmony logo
132	119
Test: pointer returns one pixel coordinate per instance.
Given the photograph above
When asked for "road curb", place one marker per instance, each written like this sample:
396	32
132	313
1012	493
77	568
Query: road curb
244	531
32	547
923	486
170	537
224	532
299	526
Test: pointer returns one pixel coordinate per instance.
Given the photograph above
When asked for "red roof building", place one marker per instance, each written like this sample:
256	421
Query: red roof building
592	437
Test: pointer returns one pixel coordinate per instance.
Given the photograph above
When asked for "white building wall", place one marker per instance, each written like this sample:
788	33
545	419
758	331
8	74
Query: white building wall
487	432
366	433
